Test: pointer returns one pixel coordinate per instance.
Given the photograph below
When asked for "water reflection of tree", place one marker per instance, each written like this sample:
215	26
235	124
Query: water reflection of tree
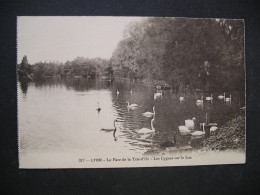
24	85
80	84
77	84
48	81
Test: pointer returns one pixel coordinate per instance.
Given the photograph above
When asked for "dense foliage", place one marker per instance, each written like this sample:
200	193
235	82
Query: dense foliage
230	136
206	54
190	53
25	69
79	67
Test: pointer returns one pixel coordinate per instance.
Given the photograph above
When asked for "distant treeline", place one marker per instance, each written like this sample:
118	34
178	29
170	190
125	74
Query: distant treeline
186	53
79	67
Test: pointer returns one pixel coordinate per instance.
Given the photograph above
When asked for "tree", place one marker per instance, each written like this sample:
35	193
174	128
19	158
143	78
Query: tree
24	63
24	69
185	52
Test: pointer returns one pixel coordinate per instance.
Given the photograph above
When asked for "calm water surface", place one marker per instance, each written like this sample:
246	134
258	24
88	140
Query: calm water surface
60	116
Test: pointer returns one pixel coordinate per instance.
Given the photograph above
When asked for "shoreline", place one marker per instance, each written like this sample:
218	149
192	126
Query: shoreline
230	136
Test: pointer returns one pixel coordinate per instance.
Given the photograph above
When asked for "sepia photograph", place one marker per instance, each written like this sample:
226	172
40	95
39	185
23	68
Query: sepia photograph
115	92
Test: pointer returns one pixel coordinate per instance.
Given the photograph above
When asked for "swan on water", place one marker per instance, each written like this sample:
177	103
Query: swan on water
110	130
209	98
146	130
228	99
184	130
213	129
149	114
131	92
98	109
200	101
190	123
181	98
195	133
200	105
221	96
131	106
157	94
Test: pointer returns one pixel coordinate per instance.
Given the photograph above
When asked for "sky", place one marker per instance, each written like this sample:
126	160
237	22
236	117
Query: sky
65	38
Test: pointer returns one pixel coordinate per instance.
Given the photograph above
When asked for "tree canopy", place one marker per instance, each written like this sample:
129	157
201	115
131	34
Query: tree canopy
184	52
187	53
79	67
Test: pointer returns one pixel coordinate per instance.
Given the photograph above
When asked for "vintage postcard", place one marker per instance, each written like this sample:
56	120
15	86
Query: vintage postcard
105	92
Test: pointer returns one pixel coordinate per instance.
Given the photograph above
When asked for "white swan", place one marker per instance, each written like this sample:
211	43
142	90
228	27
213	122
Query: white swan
149	114
117	92
190	123
243	108
198	133
146	130
184	130
221	96
181	98
200	101
213	129
131	106
157	94
228	99
209	98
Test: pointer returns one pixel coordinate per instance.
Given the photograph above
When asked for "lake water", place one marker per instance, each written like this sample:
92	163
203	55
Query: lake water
59	116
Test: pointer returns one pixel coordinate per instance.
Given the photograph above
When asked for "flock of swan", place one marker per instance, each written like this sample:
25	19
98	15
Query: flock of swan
210	98
187	129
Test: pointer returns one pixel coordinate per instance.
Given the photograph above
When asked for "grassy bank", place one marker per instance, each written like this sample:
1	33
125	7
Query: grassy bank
229	136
